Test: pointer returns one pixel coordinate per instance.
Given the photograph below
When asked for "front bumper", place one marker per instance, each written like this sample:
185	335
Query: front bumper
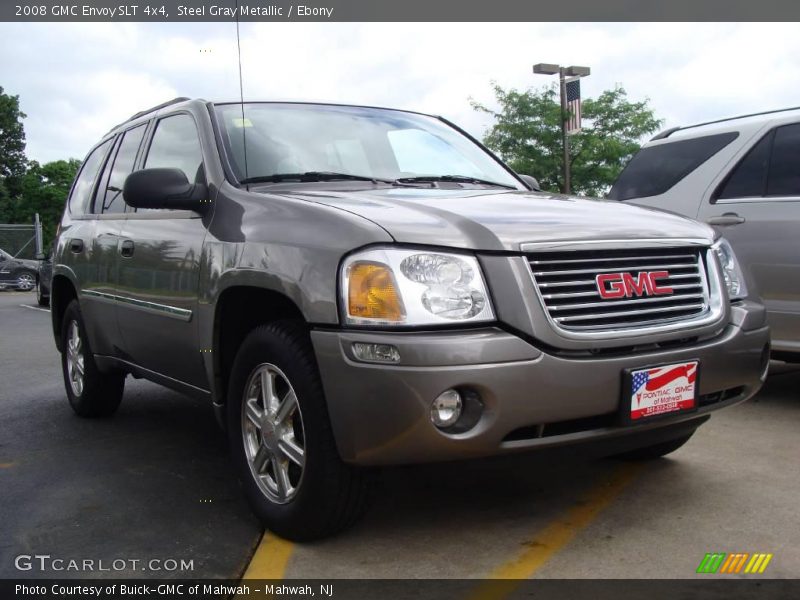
533	399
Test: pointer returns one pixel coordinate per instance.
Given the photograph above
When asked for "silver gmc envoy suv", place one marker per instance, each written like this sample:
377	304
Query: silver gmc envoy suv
353	286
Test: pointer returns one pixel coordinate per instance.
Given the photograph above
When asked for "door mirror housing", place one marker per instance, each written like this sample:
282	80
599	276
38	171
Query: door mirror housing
530	181
165	189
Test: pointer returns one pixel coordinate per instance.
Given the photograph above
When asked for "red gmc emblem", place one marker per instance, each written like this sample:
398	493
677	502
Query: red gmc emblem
625	285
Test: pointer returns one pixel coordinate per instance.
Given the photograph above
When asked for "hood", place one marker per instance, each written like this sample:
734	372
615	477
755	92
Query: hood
501	220
23	262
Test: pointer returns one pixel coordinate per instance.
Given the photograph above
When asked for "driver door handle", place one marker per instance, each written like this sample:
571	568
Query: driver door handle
726	219
126	248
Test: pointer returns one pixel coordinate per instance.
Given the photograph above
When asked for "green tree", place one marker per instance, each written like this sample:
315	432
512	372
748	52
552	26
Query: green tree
12	145
527	135
44	190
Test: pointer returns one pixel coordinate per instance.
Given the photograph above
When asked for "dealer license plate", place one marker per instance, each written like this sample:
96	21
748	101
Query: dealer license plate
662	390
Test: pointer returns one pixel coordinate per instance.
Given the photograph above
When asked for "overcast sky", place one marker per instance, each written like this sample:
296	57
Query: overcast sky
76	81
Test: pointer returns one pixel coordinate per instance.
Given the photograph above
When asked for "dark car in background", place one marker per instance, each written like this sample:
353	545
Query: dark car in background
18	273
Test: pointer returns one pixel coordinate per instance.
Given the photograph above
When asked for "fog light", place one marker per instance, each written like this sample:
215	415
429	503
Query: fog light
385	353
446	409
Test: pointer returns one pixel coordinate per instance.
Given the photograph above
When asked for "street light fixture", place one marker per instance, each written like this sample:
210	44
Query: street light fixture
545	69
563	73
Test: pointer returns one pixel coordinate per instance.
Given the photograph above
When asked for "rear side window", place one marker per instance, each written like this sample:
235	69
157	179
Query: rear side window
82	190
655	169
749	177
176	145
784	167
122	166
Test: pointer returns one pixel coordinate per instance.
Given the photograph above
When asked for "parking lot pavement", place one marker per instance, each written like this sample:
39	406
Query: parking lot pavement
137	485
153	482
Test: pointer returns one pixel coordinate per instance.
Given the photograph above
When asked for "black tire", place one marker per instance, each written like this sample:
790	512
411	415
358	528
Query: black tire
656	450
41	299
330	495
100	393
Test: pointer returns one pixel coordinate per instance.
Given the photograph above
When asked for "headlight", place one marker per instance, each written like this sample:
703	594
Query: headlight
731	272
400	287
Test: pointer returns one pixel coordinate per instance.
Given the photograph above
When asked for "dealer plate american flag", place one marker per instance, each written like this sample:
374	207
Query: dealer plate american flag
661	390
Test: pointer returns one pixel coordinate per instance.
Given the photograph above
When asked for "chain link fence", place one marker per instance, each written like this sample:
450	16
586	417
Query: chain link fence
21	240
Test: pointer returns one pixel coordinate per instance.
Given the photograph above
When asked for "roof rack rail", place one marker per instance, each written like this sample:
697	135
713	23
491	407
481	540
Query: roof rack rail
668	132
142	113
663	134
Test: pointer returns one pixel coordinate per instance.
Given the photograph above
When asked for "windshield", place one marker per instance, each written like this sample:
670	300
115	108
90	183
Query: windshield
371	143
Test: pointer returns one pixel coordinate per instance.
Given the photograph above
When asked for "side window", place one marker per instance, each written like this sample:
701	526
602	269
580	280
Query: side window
176	145
112	201
784	166
749	177
655	169
102	183
82	190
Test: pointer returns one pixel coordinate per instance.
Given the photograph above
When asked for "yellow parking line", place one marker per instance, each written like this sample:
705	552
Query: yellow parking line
270	558
557	535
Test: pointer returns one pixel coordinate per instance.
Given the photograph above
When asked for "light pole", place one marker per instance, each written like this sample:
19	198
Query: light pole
563	73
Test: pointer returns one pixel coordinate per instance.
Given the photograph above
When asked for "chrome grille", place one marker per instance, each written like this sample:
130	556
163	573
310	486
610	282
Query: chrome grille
567	284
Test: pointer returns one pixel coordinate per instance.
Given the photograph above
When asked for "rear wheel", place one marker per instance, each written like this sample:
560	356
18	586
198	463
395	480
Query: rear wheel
281	439
91	393
656	450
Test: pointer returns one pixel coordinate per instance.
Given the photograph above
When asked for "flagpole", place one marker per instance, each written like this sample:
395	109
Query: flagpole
564	137
563	73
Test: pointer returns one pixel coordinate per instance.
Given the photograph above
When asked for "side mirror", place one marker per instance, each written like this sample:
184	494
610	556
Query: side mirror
531	182
164	188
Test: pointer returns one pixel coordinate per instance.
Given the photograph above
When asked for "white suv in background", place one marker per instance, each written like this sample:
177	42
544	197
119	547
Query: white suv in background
742	176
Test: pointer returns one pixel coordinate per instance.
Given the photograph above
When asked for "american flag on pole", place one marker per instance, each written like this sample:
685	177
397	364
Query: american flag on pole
574	105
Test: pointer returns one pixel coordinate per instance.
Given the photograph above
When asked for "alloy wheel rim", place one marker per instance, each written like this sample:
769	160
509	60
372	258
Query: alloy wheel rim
25	282
273	433
75	361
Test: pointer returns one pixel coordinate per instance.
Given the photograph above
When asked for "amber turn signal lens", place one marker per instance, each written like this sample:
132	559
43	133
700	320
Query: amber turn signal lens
372	293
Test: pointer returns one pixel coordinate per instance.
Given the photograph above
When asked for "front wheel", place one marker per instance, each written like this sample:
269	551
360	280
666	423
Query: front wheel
281	438
91	393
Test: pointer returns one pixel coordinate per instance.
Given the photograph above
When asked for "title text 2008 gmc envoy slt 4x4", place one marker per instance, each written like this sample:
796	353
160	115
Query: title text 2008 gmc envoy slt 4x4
355	286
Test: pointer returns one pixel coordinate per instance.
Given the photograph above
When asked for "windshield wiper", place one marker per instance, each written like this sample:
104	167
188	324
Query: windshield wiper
312	176
454	179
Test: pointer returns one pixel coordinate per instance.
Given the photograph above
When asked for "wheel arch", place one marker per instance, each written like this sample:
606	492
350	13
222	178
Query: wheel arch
62	292
237	311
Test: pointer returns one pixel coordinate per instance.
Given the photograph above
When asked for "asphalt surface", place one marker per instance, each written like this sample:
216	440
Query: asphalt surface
154	482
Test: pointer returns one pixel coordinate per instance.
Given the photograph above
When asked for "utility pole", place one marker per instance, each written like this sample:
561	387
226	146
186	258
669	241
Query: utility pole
563	73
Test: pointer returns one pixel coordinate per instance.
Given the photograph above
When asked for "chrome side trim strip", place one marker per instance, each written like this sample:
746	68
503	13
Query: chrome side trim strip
182	314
